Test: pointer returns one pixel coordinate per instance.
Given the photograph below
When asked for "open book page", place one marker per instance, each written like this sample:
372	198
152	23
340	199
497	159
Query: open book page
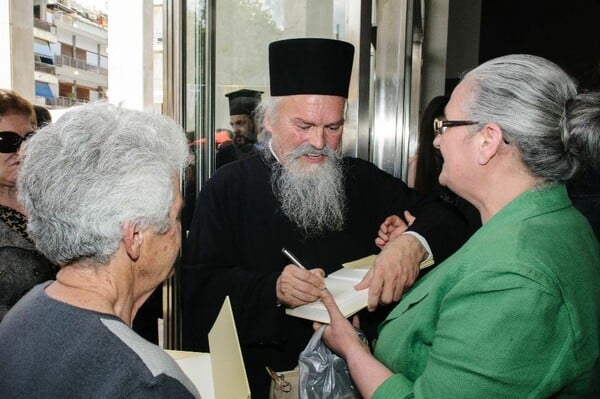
341	286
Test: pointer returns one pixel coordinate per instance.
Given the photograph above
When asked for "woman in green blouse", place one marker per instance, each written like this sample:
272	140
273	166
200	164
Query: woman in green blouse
515	312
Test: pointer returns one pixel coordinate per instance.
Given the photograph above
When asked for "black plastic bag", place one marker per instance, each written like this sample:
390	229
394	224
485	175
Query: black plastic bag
323	374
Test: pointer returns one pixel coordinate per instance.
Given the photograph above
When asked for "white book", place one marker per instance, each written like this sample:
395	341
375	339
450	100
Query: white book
341	286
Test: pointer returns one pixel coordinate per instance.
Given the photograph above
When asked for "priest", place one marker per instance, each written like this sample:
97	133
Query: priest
301	194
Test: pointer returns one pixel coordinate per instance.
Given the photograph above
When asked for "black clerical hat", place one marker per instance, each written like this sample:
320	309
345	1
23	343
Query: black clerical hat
243	101
310	66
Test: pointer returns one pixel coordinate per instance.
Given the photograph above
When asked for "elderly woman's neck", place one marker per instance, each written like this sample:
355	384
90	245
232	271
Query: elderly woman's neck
104	288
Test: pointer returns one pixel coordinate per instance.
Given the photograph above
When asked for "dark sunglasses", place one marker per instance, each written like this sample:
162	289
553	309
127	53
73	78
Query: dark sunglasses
11	141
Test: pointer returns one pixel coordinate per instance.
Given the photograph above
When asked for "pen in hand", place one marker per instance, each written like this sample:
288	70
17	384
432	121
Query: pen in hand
291	257
295	260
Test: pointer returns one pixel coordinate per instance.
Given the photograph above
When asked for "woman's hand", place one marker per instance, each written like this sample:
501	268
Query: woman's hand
340	336
392	227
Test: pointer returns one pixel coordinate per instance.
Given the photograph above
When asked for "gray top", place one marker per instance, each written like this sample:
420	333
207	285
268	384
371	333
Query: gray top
54	350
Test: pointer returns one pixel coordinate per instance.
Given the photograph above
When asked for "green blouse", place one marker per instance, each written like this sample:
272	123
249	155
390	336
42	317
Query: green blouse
513	314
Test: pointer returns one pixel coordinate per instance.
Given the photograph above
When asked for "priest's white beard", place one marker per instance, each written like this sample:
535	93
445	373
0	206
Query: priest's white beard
312	195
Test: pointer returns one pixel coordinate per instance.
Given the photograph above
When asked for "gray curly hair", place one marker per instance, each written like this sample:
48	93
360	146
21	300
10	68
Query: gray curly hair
98	167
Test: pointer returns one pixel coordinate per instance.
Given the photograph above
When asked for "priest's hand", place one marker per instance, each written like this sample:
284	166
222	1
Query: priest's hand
395	269
297	286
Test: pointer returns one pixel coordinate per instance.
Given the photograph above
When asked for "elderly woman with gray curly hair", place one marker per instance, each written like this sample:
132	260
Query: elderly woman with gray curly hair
101	188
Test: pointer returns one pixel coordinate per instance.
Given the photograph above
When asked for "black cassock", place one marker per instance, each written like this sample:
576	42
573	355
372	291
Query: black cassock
234	248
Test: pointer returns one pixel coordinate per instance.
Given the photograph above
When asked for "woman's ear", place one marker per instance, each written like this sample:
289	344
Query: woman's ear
491	140
133	238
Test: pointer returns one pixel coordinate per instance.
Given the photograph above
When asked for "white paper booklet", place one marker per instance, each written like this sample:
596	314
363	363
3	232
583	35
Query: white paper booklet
341	285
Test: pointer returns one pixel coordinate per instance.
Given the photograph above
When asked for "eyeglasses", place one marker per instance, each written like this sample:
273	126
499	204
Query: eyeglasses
440	125
11	141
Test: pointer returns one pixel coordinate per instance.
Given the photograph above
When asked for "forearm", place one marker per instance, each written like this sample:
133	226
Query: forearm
366	371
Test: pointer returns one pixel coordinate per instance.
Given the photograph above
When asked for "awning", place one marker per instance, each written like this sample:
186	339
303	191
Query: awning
43	50
43	89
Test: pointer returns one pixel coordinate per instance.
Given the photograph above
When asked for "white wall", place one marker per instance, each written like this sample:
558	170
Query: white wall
130	71
16	47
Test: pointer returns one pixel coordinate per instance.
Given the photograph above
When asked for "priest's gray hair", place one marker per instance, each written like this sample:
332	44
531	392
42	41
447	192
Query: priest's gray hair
97	168
268	106
536	105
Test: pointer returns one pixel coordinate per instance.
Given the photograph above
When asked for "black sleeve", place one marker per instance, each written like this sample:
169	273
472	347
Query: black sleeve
213	267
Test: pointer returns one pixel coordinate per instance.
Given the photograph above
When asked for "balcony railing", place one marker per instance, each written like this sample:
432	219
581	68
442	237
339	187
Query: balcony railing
65	60
64	102
43	67
41	24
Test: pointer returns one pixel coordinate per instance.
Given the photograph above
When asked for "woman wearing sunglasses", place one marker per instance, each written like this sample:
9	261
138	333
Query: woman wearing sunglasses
21	266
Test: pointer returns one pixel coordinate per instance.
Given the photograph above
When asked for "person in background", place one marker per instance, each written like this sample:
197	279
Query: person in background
515	312
301	194
101	188
242	104
425	166
42	116
21	265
